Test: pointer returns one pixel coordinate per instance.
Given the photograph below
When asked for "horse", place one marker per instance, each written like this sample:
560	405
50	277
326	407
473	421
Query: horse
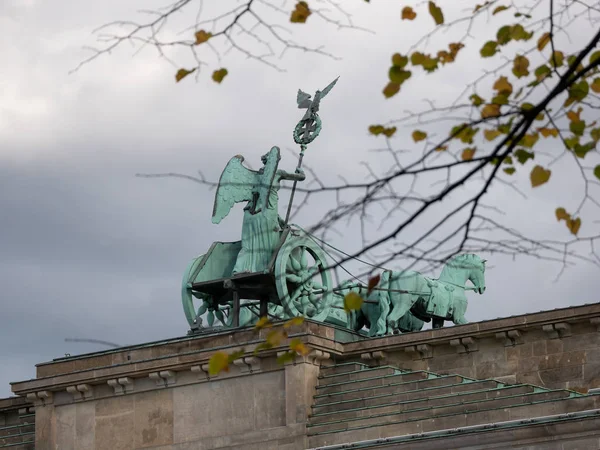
404	300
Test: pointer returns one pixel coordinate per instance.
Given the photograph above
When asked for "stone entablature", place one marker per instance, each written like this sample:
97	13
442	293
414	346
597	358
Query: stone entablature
168	381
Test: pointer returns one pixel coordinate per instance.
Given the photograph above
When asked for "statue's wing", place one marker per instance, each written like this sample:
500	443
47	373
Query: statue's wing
303	99
325	91
235	185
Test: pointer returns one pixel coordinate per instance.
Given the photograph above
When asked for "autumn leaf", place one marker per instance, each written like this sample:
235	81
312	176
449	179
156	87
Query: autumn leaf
218	362
577	127
562	214
520	66
301	13
573	225
499	9
376	129
274	337
441	148
429	64
373	281
597	171
467	154
489	49
503	35
202	36
539	176
235	355
490	135
545	132
391	89
296	345
595	86
263	322
417	58
389	132
408	13
543	41
218	75
294	322
595	134
557	58
503	86
399	60
490	110
352	301
574	115
436	13
529	140
182	73
418	135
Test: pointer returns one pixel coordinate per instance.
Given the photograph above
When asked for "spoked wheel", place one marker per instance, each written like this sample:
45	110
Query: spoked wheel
303	286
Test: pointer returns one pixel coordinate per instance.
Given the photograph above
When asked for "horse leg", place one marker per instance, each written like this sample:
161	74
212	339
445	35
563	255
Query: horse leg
384	310
437	323
400	307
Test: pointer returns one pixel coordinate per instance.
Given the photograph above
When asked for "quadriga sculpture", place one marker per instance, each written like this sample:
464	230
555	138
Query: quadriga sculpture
404	300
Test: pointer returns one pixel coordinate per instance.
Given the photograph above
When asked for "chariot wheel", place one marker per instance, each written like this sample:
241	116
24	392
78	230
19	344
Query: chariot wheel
303	286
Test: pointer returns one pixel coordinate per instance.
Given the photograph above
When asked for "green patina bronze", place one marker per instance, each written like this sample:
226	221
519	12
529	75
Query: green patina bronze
280	270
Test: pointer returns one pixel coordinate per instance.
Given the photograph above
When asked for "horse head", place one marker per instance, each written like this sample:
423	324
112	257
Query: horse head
477	274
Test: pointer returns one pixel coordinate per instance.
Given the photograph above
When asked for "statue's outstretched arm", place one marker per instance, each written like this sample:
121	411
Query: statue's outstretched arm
298	176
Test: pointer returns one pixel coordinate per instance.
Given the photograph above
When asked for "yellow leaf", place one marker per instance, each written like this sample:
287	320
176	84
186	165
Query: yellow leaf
408	13
399	60
478	7
436	13
499	9
574	116
490	135
218	362
262	346
573	225
490	110
503	86
418	135
182	73
543	41
296	345
235	355
391	89
294	322
352	301
202	36
218	75
417	58
562	214
274	337
389	132
263	322
467	154
520	66
376	129
441	148
595	86
301	13
539	176
529	140
476	100
545	132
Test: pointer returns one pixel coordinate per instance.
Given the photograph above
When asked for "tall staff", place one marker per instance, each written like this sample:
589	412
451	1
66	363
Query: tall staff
307	129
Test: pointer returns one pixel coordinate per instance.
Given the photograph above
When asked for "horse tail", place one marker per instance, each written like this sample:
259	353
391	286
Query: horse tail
187	298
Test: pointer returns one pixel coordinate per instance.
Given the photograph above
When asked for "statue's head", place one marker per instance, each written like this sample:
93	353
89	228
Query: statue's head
264	158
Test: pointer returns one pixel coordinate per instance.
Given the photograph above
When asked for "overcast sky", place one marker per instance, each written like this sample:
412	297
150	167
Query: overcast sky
90	251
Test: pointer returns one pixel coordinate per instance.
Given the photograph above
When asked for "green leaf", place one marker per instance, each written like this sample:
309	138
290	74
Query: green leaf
520	66
557	59
518	33
417	58
436	13
571	62
597	171
218	75
286	357
389	132
499	9
399	60
509	170
490	135
429	64
529	140
182	73
595	56
577	127
571	142
595	134
476	100
542	72
523	155
539	176
582	150
376	129
464	133
488	49
503	35
293	322
501	99
397	75
577	92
